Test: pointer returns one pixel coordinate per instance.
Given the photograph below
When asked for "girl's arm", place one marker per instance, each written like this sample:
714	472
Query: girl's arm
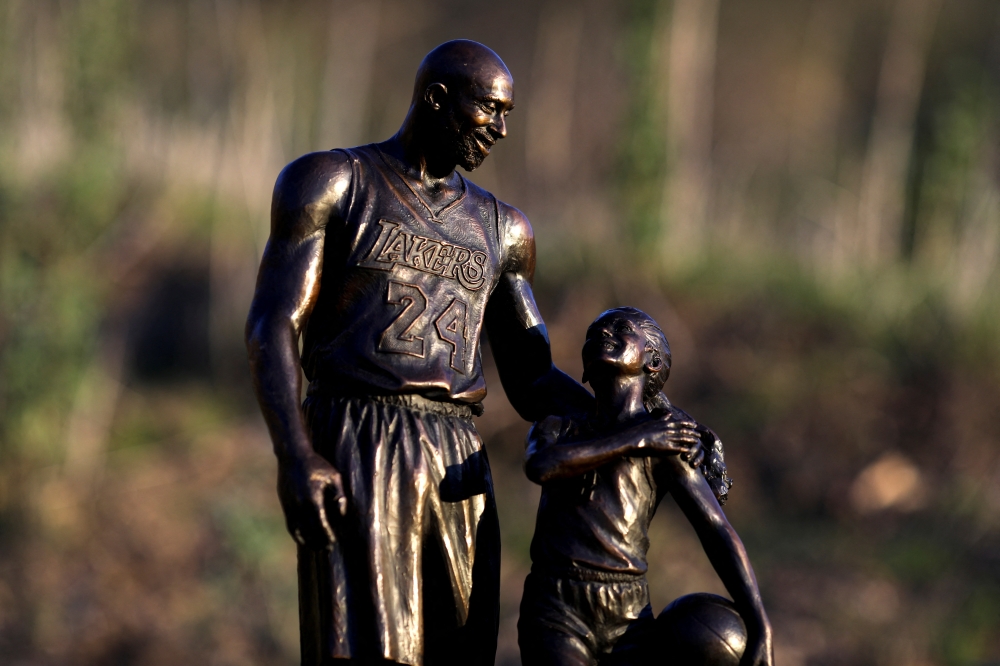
548	459
726	553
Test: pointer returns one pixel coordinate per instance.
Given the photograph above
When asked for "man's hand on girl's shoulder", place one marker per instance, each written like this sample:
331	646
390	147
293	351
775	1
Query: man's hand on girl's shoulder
671	437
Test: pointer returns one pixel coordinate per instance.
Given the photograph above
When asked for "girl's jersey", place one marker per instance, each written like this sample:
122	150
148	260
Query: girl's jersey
598	521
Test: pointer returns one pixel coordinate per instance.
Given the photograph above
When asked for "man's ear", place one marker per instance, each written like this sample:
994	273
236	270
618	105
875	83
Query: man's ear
435	95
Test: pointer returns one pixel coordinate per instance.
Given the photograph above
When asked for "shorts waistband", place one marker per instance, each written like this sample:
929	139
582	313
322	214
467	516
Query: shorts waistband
589	575
412	401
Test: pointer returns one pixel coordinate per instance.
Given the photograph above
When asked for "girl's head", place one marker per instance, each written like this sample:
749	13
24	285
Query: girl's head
627	340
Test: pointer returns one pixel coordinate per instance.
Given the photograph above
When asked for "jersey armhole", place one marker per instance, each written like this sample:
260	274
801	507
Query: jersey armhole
353	159
500	247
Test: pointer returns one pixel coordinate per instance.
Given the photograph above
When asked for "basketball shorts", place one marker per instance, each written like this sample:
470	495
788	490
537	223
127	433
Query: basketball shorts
604	621
414	574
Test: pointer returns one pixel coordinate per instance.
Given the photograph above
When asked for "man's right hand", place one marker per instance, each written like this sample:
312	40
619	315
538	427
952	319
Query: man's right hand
307	486
673	437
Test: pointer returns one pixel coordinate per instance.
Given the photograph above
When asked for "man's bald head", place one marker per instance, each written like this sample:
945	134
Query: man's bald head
461	99
460	64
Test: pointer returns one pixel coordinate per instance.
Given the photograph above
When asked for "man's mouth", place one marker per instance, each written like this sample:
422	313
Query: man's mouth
484	143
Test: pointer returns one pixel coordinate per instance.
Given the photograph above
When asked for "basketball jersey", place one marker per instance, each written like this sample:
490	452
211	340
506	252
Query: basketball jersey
404	288
598	521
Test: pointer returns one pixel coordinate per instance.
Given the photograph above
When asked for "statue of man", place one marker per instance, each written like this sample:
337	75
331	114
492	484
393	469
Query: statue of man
389	263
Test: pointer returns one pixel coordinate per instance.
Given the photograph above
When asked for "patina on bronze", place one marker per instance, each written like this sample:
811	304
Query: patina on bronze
389	264
586	600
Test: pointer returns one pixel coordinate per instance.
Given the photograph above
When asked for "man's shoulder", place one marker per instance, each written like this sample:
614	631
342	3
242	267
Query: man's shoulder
314	179
514	222
323	163
516	238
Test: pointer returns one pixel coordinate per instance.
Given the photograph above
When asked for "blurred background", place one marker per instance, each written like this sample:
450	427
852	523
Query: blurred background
804	193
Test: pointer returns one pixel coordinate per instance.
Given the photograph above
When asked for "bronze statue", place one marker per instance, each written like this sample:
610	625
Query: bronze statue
586	600
389	263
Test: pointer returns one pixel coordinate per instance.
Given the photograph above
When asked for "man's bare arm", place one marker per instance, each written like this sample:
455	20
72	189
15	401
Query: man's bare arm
518	338
547	460
309	193
727	554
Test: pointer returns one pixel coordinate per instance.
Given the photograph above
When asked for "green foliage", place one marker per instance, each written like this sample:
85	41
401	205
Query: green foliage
642	159
962	134
98	55
51	303
919	559
971	634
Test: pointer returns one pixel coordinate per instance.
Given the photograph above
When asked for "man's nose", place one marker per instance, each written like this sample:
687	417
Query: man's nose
500	126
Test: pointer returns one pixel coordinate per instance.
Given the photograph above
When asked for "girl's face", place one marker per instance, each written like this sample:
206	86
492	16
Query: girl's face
616	341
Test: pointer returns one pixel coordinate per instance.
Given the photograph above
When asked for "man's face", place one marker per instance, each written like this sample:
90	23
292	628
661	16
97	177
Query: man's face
477	117
616	342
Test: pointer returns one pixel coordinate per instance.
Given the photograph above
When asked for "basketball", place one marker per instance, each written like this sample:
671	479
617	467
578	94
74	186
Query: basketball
699	630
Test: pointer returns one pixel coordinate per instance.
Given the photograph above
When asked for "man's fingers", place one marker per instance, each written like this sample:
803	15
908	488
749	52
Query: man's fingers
319	506
675	445
303	527
310	531
683	432
294	530
335	493
327	530
299	520
697	457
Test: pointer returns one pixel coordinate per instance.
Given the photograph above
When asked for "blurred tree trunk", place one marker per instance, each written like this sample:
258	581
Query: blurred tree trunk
817	111
36	84
549	137
689	73
883	185
350	57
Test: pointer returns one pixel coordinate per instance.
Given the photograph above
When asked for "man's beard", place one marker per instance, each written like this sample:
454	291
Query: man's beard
467	151
468	154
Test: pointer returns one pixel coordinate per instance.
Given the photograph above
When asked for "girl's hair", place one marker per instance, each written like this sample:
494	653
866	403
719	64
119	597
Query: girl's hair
656	342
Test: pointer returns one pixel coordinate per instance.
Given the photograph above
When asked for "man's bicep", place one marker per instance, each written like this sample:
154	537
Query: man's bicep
309	193
513	301
519	342
513	294
288	280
